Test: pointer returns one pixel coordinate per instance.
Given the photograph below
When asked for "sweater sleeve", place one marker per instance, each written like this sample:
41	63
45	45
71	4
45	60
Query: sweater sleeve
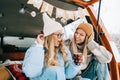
33	61
100	53
72	69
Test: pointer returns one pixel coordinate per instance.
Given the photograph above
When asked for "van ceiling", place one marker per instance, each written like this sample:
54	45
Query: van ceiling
13	23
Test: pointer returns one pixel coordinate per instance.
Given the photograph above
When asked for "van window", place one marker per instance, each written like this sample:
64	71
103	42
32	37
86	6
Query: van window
11	44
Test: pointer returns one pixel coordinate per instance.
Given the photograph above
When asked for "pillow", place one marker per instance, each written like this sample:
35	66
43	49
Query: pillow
4	74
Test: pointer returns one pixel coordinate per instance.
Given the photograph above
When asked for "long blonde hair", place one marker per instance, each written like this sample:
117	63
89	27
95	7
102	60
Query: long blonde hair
89	35
85	51
74	48
51	54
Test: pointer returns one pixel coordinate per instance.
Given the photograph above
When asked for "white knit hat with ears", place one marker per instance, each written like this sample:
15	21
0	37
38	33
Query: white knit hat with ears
50	25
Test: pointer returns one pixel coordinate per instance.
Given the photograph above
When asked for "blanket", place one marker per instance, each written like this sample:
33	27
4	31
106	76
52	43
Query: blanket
16	72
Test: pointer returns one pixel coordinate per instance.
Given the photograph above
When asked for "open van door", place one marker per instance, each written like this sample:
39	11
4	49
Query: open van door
22	30
103	34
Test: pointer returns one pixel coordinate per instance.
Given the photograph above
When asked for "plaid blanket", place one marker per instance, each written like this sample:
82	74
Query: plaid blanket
16	72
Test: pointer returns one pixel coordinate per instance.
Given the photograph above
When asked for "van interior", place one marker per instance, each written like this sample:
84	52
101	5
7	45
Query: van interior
21	22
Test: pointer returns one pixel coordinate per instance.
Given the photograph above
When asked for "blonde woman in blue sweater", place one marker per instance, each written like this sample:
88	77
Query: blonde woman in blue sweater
49	59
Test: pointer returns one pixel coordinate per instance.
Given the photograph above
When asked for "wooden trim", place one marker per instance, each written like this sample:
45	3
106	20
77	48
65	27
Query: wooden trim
105	40
82	3
14	55
119	68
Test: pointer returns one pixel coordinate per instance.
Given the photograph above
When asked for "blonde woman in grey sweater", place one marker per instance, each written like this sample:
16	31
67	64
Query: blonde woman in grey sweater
92	56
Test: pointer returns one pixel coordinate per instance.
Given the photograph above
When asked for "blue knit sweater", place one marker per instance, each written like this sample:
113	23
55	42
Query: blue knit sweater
33	65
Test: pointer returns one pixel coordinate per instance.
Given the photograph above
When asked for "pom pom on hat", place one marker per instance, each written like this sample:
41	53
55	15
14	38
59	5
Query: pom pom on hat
87	28
50	25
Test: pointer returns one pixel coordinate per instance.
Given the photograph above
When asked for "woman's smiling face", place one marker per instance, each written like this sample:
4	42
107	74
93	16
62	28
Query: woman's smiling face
57	36
79	36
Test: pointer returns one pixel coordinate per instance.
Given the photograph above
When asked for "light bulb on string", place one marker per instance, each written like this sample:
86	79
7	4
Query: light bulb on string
22	10
33	14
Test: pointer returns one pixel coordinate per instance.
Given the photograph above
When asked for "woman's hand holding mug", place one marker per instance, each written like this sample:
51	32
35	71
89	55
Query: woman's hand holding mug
78	58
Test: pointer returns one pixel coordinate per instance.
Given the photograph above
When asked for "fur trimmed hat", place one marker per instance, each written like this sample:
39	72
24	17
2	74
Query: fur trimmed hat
86	27
50	25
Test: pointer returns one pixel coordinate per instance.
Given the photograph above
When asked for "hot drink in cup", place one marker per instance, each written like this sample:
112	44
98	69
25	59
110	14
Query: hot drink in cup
78	58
